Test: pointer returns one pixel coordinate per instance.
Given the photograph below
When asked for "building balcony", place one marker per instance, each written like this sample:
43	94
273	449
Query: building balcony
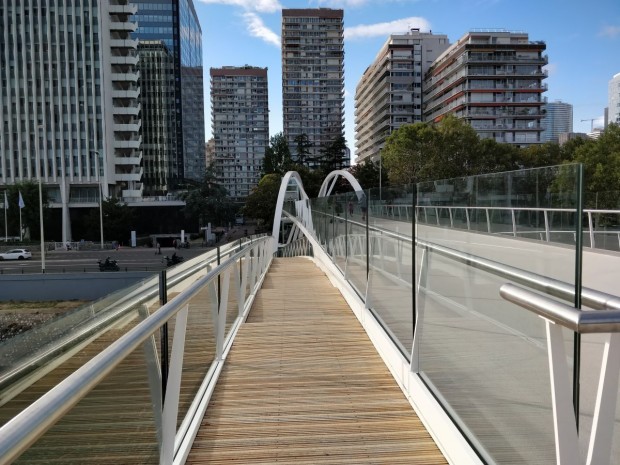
135	176
131	94
129	110
115	8
132	127
128	144
129	76
124	43
124	60
132	195
133	160
123	26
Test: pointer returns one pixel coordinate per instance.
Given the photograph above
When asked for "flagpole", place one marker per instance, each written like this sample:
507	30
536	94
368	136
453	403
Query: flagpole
20	226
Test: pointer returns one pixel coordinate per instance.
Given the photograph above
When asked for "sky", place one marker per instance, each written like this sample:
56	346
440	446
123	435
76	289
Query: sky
583	42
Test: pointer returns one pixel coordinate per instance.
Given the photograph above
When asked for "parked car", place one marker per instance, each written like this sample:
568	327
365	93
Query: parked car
16	254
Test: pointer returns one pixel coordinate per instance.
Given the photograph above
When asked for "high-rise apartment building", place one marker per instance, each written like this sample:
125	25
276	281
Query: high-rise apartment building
69	97
614	100
389	94
493	79
557	119
240	123
175	24
313	77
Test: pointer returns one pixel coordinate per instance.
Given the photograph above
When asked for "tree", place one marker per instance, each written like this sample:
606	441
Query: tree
30	212
277	156
334	155
601	160
209	202
408	152
303	146
118	221
261	203
367	174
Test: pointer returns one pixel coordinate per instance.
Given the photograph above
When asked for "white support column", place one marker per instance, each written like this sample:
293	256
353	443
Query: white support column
601	438
244	280
173	388
565	426
221	315
419	316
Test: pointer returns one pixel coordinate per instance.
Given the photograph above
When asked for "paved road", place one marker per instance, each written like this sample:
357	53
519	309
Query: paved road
138	259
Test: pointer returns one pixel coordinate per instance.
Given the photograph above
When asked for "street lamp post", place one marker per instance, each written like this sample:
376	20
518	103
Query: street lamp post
40	200
100	196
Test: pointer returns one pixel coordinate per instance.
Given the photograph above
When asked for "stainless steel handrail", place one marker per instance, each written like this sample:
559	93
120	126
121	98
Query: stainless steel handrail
591	298
579	321
24	429
146	292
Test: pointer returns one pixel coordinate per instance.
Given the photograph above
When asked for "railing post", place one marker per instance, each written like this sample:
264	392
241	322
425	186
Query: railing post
164	356
514	223
486	210
591	228
218	276
547	233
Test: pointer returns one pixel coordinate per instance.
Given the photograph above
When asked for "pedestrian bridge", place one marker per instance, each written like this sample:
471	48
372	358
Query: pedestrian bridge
334	340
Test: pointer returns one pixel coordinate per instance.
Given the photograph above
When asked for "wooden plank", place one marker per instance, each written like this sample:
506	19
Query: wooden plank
303	384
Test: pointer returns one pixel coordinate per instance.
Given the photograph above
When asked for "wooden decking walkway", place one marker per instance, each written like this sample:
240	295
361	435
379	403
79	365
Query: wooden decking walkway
304	385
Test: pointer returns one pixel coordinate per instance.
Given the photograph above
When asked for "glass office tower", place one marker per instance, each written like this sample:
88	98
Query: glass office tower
175	24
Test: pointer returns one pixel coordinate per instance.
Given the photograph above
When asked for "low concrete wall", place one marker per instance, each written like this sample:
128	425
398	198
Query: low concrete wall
66	286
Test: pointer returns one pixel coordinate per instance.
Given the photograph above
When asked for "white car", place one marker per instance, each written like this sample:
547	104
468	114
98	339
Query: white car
16	254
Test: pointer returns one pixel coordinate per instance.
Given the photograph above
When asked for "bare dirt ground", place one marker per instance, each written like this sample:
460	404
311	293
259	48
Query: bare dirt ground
17	317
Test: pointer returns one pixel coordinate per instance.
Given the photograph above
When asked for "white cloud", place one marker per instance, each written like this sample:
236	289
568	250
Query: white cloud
263	6
384	29
551	68
610	31
257	28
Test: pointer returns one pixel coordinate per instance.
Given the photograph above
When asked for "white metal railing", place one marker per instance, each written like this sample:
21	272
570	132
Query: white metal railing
244	269
446	216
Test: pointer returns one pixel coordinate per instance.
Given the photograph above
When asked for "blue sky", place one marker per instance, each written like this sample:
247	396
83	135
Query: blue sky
583	41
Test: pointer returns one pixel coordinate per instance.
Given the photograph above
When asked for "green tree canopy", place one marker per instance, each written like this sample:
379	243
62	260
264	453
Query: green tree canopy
209	202
303	145
277	156
261	203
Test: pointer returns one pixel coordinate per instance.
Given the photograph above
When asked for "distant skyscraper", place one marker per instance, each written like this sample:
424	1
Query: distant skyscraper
492	79
157	96
313	76
614	99
389	94
558	119
175	24
240	122
70	95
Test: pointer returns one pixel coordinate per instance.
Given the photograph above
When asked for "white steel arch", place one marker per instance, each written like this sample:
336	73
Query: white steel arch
277	219
333	177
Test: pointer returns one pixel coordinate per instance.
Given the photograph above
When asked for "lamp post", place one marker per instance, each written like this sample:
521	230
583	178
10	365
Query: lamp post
40	199
100	196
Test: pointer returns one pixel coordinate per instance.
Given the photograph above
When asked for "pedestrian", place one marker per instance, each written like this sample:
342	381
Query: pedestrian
350	208
174	244
158	248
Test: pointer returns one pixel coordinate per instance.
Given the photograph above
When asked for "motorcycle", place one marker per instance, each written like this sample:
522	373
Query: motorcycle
108	265
174	260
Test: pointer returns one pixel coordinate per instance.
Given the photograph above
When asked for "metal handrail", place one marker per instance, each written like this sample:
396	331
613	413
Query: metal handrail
148	291
591	298
24	429
579	321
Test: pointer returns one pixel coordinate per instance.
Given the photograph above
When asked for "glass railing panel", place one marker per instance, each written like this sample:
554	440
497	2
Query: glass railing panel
390	262
341	207
356	270
199	350
115	423
232	310
485	358
71	325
